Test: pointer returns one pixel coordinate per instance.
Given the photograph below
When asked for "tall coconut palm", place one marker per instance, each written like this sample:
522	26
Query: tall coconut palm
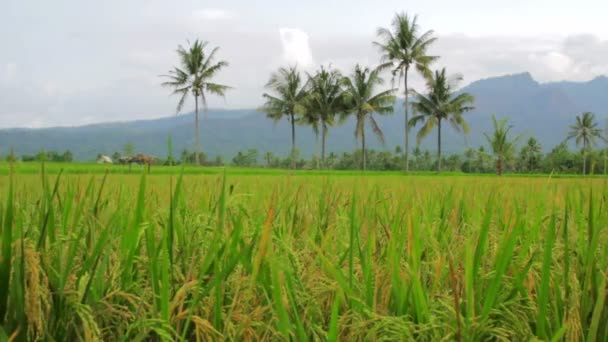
440	104
403	46
324	101
194	76
500	142
288	101
586	131
362	100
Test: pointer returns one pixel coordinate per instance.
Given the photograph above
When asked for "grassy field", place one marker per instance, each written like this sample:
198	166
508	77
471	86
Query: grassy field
94	168
267	255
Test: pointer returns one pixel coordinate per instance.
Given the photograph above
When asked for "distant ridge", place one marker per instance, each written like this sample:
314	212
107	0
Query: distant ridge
544	110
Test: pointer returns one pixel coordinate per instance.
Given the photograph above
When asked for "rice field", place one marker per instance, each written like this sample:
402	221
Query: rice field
323	257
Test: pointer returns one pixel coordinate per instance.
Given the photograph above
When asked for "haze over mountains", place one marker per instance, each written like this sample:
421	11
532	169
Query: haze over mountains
542	110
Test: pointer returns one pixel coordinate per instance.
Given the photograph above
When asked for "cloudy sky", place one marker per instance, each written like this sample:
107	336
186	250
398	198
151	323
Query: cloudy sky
76	62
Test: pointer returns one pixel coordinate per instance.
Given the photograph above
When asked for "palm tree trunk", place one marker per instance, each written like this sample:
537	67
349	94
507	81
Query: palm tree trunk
439	145
407	130
584	157
196	127
363	151
499	166
323	136
293	141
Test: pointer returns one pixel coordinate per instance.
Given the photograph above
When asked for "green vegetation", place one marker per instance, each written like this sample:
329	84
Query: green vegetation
363	101
502	145
318	256
442	103
189	253
586	131
403	47
291	93
194	76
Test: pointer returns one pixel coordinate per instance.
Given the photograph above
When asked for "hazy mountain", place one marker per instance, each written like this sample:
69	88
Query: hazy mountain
543	110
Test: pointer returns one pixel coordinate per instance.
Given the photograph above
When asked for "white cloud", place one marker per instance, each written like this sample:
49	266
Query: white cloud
213	14
296	48
557	61
8	74
551	65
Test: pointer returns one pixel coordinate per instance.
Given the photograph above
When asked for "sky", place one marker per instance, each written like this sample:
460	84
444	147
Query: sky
78	62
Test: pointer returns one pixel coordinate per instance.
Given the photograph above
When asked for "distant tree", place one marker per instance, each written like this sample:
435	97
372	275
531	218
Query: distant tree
363	99
404	46
184	155
331	160
116	156
41	156
442	103
469	155
193	76
219	161
453	162
417	153
324	101
269	159
128	149
531	154
482	160
287	101
11	157
604	155
500	142
398	149
247	159
585	130
28	158
67	156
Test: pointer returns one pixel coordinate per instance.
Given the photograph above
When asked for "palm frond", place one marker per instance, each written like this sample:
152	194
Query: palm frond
376	129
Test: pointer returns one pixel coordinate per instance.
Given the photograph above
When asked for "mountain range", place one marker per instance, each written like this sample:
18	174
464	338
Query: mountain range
542	110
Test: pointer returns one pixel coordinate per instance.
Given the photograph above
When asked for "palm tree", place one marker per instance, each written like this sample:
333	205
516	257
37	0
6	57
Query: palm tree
585	130
499	141
531	153
404	47
290	92
325	99
442	103
197	69
362	101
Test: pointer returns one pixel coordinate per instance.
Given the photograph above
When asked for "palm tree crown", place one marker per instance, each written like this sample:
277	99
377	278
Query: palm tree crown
288	100
403	46
586	131
194	76
502	146
442	103
362	100
325	99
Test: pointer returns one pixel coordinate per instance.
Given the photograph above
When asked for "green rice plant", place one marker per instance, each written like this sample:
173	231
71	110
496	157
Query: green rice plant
264	256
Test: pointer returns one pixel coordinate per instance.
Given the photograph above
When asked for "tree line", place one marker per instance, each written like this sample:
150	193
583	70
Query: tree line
529	159
50	156
327	97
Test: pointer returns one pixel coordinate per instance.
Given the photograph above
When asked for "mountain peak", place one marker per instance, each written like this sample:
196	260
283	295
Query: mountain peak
599	79
520	82
522	78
